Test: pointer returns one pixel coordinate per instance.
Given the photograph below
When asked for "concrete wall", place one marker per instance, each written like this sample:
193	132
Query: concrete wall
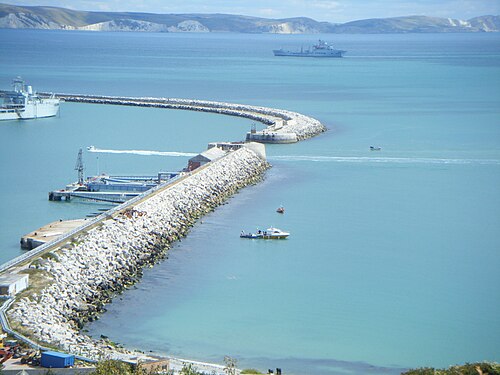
11	284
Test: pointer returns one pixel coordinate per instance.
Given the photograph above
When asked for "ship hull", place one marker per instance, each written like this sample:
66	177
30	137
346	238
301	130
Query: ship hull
43	108
336	53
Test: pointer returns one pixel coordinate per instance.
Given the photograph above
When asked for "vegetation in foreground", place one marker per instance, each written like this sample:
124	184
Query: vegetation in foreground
480	368
113	367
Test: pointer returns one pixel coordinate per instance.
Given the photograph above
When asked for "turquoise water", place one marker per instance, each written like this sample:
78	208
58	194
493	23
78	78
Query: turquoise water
393	257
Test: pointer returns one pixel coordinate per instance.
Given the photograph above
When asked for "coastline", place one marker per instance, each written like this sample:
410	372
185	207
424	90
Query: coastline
77	278
87	273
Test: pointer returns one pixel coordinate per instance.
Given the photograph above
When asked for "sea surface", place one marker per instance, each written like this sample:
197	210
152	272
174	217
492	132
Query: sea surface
394	254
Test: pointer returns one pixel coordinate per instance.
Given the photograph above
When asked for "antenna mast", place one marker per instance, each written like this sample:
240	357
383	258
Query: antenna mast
79	167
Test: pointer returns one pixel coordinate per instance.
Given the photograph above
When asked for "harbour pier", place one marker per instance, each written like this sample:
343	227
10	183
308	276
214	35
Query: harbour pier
285	125
104	188
49	232
85	268
92	263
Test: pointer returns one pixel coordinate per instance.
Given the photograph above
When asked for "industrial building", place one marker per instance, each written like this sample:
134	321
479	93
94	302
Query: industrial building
11	284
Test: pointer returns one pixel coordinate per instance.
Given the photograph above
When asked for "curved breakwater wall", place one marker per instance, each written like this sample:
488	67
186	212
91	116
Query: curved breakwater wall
278	120
86	273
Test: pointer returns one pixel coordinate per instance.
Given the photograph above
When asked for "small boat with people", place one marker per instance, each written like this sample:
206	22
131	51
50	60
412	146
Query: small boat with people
280	210
375	148
268	234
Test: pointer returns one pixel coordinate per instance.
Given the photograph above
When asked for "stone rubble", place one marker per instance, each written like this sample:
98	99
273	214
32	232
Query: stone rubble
107	259
303	126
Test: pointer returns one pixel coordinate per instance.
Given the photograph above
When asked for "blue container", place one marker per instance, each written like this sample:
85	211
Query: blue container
57	360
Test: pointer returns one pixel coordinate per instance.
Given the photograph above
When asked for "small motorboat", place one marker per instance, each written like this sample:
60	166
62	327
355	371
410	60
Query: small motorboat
268	234
375	148
249	235
91	148
280	210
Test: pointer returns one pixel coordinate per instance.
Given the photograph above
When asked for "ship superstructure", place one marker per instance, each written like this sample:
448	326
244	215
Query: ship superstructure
23	103
321	49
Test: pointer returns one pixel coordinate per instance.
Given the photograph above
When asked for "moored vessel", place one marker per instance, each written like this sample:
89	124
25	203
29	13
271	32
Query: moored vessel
22	103
321	49
268	234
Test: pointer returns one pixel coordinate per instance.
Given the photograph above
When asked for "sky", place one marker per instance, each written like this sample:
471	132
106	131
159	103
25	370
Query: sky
320	10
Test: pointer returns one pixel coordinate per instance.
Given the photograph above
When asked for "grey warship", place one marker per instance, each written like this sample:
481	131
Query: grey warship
322	49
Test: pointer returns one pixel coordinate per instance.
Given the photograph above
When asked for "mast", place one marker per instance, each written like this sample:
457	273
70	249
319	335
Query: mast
79	167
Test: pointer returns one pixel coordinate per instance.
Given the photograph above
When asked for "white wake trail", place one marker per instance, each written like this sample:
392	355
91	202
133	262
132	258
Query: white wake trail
140	152
365	159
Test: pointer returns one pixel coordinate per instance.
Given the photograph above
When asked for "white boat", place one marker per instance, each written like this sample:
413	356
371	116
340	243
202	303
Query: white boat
375	148
91	148
268	234
23	103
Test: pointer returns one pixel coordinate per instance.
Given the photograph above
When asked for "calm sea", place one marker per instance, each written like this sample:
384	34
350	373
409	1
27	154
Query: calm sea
394	255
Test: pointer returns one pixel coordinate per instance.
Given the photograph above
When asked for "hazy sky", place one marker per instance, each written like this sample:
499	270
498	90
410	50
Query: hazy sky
320	10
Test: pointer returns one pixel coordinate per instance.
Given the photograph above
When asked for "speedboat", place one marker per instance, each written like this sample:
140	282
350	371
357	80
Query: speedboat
280	210
274	234
375	148
268	234
90	148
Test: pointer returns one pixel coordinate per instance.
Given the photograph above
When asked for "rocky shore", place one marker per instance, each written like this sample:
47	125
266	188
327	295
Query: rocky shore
278	120
88	272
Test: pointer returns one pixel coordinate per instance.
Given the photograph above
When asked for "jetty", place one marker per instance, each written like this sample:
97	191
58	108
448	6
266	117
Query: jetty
105	188
49	232
85	268
287	126
79	271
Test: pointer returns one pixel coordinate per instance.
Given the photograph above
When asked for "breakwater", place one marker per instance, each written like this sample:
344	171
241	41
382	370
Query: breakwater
278	121
86	273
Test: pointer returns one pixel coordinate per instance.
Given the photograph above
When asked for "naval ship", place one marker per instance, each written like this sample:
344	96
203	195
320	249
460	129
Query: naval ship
322	49
23	103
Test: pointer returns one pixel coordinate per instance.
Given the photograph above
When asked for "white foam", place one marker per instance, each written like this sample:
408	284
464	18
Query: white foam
366	159
141	152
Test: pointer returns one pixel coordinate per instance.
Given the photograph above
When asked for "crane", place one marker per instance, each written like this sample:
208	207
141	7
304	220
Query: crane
79	167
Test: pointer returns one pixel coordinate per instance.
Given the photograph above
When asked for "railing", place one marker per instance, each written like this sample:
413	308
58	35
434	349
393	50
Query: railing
97	219
6	328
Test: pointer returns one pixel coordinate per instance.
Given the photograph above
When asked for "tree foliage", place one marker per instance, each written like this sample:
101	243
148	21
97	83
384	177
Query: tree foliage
188	369
483	368
230	365
113	367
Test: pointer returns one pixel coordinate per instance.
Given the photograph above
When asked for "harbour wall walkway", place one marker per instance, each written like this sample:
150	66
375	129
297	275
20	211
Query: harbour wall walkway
91	267
277	120
92	263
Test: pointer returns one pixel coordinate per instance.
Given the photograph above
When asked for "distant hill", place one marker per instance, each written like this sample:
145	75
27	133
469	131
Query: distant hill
420	24
42	17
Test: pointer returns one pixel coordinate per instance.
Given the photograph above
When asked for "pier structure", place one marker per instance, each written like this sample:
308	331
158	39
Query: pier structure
282	123
113	189
106	254
49	232
268	136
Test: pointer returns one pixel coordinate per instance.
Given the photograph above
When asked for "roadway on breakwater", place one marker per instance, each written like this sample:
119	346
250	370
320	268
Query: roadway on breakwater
44	319
279	121
87	272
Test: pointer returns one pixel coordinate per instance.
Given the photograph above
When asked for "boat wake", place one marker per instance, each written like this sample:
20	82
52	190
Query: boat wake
140	152
365	159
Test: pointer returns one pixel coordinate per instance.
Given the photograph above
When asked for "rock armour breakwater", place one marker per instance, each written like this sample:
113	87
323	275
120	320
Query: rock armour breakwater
278	120
87	273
